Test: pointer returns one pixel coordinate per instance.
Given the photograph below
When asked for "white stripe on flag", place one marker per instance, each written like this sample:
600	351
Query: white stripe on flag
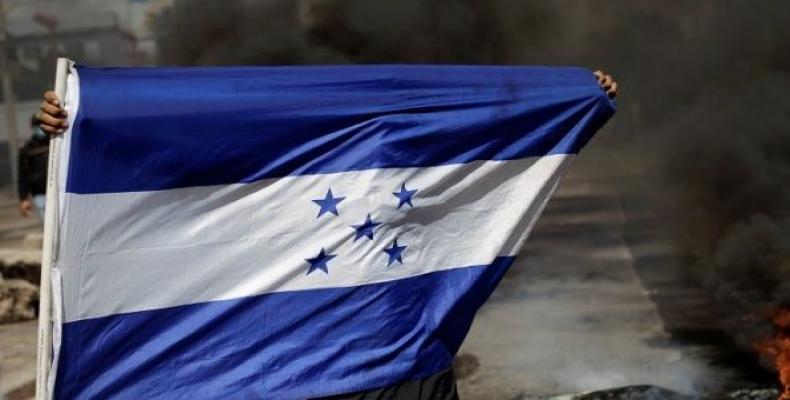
125	252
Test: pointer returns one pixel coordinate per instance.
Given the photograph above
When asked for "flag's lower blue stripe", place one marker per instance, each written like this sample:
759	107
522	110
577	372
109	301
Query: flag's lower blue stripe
280	345
154	129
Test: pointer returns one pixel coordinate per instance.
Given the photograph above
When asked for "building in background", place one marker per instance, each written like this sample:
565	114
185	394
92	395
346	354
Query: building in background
100	41
96	39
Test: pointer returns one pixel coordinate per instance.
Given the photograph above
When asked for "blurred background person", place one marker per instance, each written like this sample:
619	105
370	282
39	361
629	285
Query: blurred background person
32	171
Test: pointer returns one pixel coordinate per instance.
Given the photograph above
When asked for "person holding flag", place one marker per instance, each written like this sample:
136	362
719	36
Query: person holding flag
54	119
350	345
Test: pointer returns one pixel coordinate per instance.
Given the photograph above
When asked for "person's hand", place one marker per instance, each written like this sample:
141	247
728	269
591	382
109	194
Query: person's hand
52	115
607	83
25	207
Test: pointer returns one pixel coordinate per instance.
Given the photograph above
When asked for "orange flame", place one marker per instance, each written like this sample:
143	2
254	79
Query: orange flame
777	349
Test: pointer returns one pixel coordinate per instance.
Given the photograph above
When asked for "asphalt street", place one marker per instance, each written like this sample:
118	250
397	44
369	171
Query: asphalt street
599	299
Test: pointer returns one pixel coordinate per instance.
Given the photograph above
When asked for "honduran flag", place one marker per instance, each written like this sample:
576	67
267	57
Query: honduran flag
295	232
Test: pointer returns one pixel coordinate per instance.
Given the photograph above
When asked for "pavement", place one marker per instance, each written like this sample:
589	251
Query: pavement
18	352
598	299
17	340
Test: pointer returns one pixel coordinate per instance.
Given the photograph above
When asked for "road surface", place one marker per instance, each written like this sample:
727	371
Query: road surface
597	300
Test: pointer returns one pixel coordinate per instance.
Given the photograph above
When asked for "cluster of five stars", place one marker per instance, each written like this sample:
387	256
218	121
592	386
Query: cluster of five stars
329	205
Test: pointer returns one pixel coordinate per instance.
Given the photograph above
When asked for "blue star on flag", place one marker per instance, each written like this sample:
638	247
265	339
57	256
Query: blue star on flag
320	262
328	204
394	252
366	229
404	196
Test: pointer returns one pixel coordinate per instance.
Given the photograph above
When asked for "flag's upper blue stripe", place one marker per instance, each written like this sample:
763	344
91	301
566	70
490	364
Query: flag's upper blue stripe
159	128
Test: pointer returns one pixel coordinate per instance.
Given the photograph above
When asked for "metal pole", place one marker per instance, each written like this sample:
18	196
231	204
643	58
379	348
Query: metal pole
45	313
8	95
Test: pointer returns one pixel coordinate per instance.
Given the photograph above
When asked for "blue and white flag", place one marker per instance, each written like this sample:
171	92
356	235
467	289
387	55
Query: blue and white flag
295	232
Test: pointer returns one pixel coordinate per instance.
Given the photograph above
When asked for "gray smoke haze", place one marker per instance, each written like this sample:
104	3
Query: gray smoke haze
705	100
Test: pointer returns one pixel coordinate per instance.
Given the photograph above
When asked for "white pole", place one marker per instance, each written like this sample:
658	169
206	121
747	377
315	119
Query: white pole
48	252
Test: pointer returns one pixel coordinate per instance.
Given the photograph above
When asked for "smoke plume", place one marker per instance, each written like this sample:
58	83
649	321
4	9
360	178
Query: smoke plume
705	96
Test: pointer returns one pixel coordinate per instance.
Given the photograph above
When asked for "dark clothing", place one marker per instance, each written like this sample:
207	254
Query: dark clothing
32	167
440	386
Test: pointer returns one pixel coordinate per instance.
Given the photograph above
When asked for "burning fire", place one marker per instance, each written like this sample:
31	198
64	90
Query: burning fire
777	349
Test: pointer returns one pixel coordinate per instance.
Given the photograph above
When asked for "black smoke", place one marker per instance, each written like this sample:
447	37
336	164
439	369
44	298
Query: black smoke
705	99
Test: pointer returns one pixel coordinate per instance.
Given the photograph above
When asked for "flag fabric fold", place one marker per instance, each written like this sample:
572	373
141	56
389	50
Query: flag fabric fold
296	232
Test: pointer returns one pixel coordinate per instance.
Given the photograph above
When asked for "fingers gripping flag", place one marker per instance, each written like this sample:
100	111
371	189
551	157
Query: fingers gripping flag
295	232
